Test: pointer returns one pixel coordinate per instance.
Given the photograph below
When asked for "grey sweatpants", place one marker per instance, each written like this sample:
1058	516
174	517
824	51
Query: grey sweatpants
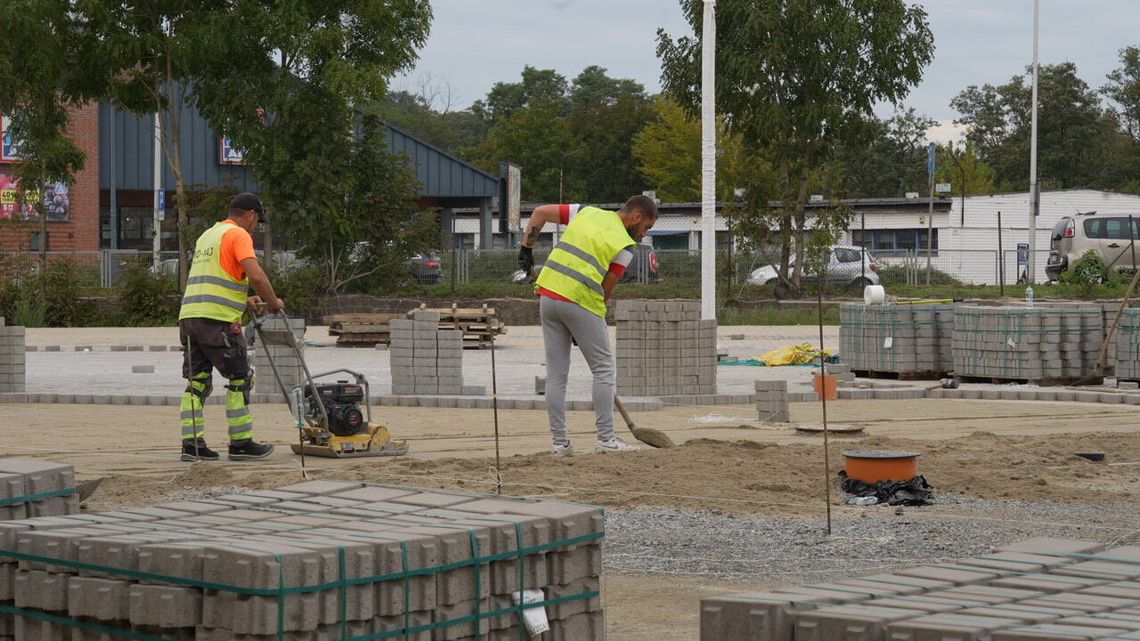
561	321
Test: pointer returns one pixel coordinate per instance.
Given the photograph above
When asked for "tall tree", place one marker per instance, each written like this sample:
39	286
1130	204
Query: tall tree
798	79
38	90
573	141
1123	89
1075	134
668	151
892	164
606	115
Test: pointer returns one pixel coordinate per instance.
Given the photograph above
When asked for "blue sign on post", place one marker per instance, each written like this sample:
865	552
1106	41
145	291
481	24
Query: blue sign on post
1022	254
161	200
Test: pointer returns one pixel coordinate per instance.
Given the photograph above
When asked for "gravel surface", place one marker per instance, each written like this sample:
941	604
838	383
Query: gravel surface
782	551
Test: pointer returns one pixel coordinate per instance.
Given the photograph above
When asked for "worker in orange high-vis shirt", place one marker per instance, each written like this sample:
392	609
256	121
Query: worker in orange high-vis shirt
217	294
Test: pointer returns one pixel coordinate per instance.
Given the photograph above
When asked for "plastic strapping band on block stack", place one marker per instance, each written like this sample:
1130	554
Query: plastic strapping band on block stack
341	584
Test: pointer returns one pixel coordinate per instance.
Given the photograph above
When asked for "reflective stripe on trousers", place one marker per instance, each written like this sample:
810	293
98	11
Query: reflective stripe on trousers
193	421
237	413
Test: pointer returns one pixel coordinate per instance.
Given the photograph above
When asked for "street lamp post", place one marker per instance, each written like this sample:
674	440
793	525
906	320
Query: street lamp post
1034	195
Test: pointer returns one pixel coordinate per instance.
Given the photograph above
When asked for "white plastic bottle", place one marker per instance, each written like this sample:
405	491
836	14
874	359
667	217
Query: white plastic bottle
1029	296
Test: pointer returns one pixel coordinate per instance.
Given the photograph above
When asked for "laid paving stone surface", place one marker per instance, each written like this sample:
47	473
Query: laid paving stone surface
1035	590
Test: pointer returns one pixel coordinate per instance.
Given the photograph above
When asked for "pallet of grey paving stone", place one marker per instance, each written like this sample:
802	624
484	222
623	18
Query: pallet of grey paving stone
31	488
664	348
1048	345
316	560
908	342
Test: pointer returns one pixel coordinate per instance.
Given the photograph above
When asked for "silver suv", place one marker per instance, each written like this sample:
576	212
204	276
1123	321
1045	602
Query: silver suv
1111	237
846	265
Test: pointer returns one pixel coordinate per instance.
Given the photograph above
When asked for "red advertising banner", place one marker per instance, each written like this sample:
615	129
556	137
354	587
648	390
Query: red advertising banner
57	201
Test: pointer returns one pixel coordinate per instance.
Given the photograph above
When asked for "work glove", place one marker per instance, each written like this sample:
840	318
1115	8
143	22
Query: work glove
526	258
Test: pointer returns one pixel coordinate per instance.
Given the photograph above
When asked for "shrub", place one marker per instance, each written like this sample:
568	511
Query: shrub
1089	269
146	298
896	275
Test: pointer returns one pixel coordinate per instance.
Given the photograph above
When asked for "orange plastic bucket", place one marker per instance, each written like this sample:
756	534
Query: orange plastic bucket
872	466
826	385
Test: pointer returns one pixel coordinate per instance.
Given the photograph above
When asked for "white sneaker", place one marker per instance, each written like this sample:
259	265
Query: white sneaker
615	444
562	451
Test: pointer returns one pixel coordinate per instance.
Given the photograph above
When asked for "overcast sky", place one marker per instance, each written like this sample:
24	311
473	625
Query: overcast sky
476	43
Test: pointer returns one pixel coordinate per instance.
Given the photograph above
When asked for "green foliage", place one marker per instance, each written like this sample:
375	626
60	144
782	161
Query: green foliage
1076	137
788	85
56	297
301	289
668	151
146	299
891	275
965	171
573	140
1090	269
28	309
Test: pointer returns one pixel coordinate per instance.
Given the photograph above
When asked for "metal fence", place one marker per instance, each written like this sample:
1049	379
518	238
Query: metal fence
463	267
967	266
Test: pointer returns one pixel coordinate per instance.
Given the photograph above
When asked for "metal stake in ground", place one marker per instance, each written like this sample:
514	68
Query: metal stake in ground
823	399
495	410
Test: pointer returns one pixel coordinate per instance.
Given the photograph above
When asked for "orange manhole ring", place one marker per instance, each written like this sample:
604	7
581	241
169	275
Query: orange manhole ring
872	466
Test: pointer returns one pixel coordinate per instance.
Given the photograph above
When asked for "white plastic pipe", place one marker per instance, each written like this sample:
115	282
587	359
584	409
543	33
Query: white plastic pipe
708	163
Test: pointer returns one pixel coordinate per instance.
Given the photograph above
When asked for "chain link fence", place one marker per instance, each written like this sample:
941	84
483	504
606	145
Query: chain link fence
677	267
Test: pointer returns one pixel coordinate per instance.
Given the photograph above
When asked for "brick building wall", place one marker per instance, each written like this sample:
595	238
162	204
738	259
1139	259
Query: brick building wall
81	231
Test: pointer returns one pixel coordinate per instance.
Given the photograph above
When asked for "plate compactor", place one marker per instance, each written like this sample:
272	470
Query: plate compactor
329	415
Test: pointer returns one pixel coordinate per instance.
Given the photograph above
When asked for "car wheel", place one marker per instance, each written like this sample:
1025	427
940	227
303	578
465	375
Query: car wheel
773	281
861	283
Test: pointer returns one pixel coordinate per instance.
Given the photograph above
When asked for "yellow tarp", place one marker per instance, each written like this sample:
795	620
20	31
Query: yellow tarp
802	354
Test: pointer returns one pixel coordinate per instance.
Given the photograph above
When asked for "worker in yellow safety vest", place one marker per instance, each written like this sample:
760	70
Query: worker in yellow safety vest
574	285
210	329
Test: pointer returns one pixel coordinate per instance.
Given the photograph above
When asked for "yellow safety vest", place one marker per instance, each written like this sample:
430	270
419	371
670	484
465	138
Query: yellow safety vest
579	262
210	291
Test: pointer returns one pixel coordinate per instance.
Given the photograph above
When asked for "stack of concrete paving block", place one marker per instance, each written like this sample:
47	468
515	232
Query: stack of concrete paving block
12	355
841	371
424	358
772	401
909	340
664	349
287	361
31	488
1036	590
1127	354
1054	344
314	561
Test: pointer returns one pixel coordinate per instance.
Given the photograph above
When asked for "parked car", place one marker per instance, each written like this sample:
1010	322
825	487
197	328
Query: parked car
425	268
852	266
1111	237
644	262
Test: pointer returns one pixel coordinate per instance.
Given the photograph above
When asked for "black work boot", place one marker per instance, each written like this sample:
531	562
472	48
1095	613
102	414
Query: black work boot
248	450
195	449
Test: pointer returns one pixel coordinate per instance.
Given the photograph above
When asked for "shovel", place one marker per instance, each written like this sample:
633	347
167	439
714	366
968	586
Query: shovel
647	435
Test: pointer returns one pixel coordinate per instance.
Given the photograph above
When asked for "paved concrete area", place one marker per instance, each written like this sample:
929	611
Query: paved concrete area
518	355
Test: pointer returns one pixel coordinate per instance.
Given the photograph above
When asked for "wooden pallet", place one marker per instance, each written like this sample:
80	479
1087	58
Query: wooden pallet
926	375
1040	382
360	330
480	326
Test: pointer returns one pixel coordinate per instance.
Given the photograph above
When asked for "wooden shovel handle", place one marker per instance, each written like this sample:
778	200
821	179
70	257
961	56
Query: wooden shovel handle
624	414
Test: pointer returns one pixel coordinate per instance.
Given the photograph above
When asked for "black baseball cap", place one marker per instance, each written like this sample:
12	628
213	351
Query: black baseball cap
246	201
